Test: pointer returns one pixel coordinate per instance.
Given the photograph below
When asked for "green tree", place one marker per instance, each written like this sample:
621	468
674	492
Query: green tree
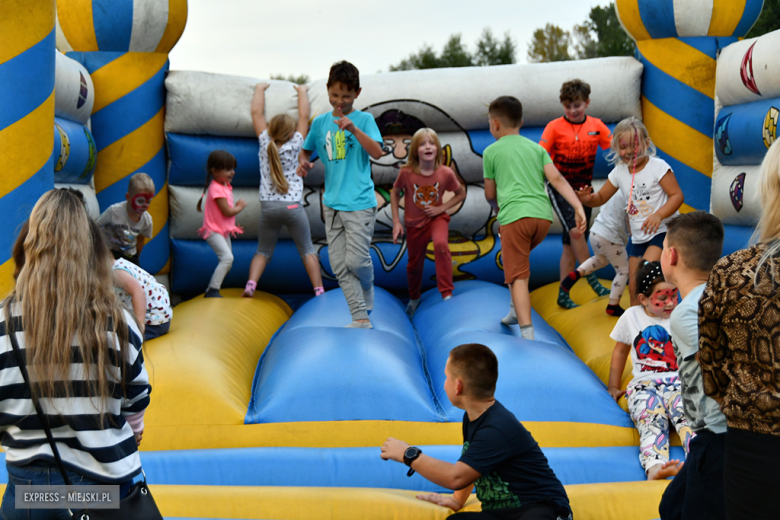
489	51
292	78
585	47
611	38
492	52
549	44
768	21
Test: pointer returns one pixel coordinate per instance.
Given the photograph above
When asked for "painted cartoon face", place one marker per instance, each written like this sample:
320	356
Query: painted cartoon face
140	202
223	176
397	146
341	97
427	150
662	301
575	110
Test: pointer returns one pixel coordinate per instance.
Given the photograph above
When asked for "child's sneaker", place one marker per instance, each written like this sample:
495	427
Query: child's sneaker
594	283
615	310
359	325
249	291
412	307
212	293
564	300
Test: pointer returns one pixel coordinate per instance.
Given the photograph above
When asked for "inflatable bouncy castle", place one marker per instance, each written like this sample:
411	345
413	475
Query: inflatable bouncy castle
266	407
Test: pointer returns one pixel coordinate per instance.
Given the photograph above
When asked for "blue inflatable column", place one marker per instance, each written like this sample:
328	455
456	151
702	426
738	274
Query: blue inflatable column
126	54
26	117
678	43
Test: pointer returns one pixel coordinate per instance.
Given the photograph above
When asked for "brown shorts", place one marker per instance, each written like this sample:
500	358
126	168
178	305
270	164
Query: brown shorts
517	241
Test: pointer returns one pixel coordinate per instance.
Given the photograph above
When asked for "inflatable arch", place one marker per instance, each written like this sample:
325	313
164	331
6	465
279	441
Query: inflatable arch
262	412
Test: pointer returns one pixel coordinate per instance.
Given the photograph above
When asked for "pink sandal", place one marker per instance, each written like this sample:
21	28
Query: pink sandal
250	289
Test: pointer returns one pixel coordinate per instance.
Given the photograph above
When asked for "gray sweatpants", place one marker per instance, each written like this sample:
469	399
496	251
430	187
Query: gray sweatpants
223	247
273	215
349	240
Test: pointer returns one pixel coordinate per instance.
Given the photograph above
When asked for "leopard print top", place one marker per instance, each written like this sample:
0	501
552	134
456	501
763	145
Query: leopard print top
739	340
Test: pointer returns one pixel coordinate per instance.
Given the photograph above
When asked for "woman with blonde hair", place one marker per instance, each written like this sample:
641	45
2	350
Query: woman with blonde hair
281	190
63	328
739	319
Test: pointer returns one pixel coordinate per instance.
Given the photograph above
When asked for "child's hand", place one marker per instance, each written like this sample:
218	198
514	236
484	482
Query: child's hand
616	393
398	230
260	87
650	225
441	500
433	211
585	194
344	122
303	168
301	89
581	220
241	204
394	449
138	437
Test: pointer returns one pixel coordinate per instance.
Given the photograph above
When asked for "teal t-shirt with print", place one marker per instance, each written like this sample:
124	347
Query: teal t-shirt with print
348	184
514	471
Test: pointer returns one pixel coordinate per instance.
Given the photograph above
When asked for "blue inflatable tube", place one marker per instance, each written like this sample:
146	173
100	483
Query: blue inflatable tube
188	155
194	262
743	133
75	155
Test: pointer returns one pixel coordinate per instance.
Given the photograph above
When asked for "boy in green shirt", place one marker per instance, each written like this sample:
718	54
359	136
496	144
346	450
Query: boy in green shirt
515	169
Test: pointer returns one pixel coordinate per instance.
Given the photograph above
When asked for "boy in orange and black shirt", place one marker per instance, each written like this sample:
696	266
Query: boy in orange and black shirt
572	141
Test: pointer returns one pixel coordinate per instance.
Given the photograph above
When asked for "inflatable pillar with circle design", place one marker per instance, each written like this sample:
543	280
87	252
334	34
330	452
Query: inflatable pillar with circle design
678	42
124	46
26	116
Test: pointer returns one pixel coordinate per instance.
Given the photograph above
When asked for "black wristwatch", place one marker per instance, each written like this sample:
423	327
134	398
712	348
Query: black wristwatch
410	455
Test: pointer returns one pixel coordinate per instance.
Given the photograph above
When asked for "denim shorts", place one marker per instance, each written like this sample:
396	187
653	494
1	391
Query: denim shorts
41	473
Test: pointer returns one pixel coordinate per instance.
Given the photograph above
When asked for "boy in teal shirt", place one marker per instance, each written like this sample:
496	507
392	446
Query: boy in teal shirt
514	170
344	140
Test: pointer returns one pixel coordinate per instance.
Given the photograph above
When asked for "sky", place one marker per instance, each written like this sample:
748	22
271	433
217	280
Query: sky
257	38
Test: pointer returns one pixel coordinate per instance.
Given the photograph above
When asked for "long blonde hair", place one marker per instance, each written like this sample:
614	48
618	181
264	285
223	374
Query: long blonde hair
637	135
65	290
281	128
768	228
413	158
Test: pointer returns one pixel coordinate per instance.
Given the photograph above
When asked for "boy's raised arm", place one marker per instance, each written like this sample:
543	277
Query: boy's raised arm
373	148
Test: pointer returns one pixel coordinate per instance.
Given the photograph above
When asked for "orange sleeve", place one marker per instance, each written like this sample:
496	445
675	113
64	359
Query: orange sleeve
548	136
606	136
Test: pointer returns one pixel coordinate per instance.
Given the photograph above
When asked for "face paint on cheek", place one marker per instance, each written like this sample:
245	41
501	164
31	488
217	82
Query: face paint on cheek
661	298
141	201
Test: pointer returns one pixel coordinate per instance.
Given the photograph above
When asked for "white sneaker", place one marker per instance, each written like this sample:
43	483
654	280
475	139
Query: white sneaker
359	325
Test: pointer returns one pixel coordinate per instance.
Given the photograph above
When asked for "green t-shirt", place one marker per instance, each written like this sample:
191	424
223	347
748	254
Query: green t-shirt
517	166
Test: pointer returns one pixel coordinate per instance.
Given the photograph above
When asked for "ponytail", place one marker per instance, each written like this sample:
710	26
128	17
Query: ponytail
205	187
277	173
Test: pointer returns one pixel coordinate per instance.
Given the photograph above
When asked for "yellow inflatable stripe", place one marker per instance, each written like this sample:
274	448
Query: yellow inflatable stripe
726	15
679	140
76	21
628	13
158	209
606	501
166	268
25	146
363	434
24	24
687	209
202	370
177	19
682	62
118	160
123	75
6	276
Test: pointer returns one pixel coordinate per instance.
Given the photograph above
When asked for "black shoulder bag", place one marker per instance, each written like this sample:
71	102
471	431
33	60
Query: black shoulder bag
139	503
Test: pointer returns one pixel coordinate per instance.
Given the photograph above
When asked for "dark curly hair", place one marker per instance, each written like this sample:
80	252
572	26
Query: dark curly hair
345	73
573	90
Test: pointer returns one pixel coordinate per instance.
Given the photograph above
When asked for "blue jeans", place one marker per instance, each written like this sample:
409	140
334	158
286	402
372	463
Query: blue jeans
39	473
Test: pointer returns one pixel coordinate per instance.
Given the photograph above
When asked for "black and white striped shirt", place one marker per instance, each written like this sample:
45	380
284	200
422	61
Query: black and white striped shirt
107	452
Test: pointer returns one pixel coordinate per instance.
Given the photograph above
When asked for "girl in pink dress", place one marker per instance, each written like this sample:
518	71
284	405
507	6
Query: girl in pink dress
219	216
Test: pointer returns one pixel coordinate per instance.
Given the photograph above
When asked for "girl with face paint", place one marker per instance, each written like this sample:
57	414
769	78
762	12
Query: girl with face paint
653	393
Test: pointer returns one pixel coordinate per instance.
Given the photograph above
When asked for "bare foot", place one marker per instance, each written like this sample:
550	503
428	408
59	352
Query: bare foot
665	470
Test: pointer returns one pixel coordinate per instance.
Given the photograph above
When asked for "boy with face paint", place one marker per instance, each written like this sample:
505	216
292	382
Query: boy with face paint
127	224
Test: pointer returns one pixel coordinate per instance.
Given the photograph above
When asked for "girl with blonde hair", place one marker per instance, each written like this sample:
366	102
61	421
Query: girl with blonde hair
739	353
423	181
281	190
647	186
82	350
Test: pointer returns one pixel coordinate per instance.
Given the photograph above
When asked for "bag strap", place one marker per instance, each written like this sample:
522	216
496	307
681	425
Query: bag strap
41	416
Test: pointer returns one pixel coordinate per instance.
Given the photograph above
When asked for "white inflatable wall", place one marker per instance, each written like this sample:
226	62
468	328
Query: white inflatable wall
74	92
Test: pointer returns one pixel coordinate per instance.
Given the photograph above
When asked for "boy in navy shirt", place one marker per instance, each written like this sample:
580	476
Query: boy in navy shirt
344	140
500	457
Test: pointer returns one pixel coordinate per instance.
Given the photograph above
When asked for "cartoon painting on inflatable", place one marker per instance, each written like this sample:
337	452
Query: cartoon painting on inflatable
270	413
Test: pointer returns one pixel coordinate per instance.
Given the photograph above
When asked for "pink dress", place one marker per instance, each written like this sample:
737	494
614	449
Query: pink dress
213	219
